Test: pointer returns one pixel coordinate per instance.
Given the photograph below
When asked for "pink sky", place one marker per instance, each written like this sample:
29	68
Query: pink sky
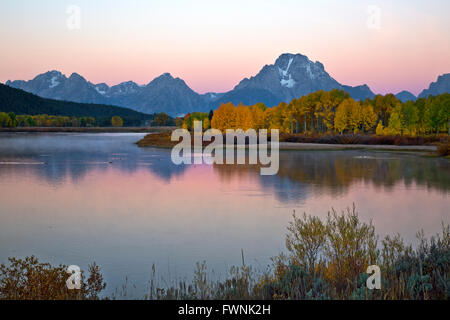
213	46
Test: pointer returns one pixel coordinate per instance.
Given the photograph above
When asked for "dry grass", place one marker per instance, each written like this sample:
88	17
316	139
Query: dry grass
364	139
161	140
443	149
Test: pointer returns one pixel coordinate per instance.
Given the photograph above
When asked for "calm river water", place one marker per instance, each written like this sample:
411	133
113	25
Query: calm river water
79	198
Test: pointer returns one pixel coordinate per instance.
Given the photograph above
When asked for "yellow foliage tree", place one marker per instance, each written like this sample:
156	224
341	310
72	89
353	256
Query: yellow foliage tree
368	117
395	121
279	118
244	119
342	120
225	117
206	124
257	112
362	117
380	129
116	121
355	116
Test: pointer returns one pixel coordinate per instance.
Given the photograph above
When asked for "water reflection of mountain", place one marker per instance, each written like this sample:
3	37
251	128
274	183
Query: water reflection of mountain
57	168
333	172
56	158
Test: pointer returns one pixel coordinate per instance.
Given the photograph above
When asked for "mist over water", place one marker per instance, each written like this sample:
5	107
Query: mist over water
79	198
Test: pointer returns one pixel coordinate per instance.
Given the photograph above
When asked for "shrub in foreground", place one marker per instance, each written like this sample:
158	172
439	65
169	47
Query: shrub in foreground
443	149
29	279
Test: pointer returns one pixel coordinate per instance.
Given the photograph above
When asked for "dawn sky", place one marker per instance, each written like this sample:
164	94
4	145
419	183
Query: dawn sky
212	45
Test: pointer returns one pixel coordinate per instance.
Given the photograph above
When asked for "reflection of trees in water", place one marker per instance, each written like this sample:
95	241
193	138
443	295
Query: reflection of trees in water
64	157
59	167
285	188
334	172
229	172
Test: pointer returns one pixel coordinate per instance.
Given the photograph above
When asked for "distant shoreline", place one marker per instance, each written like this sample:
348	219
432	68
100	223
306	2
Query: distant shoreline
324	146
89	129
162	140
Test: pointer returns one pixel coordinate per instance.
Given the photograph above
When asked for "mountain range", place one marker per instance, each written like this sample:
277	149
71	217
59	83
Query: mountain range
442	85
291	76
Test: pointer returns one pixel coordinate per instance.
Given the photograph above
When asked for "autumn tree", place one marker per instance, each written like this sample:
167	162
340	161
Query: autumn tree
162	119
244	119
421	119
330	101
224	117
437	113
279	118
196	116
345	118
383	105
206	124
409	117
395	121
300	109
4	119
380	129
257	112
368	118
116	121
179	122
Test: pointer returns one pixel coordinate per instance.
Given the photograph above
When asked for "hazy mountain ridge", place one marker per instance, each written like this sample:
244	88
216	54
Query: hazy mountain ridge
404	96
291	76
164	93
442	85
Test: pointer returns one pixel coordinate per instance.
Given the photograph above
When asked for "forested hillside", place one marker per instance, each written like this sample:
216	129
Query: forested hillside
24	103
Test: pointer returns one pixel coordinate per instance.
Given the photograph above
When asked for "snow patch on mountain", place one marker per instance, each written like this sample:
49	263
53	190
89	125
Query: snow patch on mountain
310	73
289	83
286	78
284	73
54	82
100	91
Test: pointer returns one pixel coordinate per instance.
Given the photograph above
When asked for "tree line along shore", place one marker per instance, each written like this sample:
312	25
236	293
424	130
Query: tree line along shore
9	121
334	112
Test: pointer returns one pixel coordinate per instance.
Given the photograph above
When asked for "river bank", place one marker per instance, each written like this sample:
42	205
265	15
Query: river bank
324	146
162	140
